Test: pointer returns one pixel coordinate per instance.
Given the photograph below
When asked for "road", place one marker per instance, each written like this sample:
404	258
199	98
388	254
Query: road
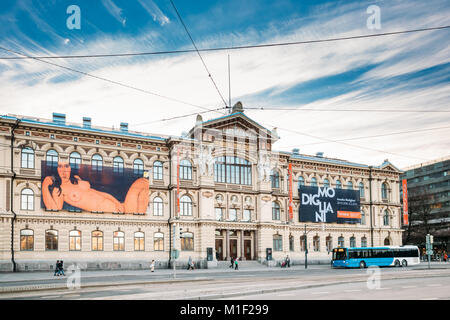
318	283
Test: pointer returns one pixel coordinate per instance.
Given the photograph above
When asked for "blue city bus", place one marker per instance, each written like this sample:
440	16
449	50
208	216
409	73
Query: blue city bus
376	256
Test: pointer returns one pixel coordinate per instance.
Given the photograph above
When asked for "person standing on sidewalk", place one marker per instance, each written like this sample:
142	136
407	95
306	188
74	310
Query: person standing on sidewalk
288	261
236	264
152	266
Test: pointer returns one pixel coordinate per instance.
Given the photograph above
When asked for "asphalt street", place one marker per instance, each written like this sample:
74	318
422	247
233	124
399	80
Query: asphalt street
317	282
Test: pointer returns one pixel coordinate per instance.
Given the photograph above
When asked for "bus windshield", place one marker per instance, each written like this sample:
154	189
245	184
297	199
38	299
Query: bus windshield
339	254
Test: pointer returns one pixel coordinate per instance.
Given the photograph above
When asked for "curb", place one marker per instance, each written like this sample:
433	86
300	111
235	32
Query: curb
264	291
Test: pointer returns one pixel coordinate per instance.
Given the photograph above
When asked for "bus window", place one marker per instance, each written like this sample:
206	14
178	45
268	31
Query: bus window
339	255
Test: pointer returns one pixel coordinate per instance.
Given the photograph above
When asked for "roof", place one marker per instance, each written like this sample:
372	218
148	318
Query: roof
47	122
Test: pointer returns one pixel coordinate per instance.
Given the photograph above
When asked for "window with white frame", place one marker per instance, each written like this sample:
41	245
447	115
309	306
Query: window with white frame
185	170
27	199
158	170
27	158
185	206
158	208
139	241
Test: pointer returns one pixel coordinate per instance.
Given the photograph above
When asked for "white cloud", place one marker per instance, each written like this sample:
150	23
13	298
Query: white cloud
255	71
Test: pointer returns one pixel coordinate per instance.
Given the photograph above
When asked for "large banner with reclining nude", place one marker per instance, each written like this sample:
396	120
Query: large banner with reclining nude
83	187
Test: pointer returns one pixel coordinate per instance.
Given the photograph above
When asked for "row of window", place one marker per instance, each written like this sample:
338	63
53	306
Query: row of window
27	203
51	240
232	170
232	214
278	243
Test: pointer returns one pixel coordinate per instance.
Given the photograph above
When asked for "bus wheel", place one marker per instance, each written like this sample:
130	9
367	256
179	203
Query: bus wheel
362	265
404	263
397	263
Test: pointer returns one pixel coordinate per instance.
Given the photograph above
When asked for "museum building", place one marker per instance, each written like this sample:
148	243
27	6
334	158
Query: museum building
219	191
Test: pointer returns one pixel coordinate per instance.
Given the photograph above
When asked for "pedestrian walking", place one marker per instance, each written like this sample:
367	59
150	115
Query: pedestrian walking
152	266
232	262
445	257
236	264
56	269
191	265
288	261
61	267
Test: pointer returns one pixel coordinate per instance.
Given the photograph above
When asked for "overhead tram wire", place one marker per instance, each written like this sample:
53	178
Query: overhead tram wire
345	110
198	52
108	80
347	144
228	48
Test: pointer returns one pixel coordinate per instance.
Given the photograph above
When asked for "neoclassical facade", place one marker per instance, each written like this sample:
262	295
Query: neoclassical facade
220	191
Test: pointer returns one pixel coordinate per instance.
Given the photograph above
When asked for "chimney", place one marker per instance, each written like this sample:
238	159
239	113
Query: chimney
124	127
319	154
59	118
86	122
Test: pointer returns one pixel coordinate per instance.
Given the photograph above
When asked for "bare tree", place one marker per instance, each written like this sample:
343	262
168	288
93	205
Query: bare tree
419	203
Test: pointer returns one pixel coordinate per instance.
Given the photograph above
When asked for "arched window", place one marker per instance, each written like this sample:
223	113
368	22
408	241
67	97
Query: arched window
157	206
138	167
118	241
52	158
363	217
352	242
338	184
97	162
387	242
350	185
275	179
384	193
275	211
51	240
316	243
361	190
158	241
341	241
232	170
302	243
26	240
326	183
185	170
301	181
75	160
187	241
329	243
27	158
118	165
291	242
277	242
97	240
139	242
27	199
75	240
363	242
386	218
313	182
158	170
186	206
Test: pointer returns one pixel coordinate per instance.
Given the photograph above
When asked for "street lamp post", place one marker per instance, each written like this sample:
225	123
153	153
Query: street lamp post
306	247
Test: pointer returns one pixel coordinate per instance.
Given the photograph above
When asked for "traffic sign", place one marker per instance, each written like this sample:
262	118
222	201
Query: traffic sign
174	254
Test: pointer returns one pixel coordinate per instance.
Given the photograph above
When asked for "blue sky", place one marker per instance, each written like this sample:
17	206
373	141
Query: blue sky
408	71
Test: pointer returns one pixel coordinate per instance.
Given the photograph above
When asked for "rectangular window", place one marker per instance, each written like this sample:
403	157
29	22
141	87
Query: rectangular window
247	215
219	214
277	243
233	215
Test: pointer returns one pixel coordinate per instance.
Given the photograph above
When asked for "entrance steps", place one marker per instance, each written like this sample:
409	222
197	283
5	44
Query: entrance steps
250	264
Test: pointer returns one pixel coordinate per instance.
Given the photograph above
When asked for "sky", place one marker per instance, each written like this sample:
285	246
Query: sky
397	72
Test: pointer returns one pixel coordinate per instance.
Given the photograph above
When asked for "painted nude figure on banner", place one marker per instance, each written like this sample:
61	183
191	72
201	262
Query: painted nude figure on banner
70	188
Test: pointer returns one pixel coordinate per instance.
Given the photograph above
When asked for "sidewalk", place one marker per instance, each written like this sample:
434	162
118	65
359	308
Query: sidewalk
37	276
